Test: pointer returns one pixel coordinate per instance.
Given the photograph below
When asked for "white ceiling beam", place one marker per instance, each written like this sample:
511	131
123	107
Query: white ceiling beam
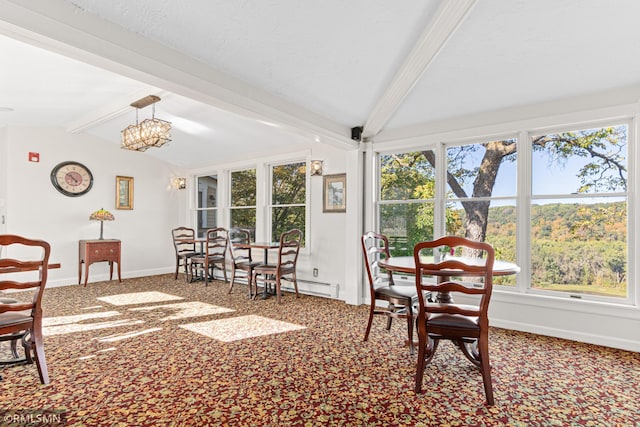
106	113
63	28
442	26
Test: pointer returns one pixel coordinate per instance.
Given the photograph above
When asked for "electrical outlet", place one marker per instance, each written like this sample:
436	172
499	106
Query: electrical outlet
315	272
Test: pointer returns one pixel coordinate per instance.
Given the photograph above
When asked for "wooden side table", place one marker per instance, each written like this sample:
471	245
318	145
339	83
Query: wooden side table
90	251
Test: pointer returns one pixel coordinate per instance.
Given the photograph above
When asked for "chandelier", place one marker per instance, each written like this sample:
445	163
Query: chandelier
148	133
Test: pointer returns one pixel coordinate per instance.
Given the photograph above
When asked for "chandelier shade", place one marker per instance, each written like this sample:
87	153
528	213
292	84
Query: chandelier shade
147	133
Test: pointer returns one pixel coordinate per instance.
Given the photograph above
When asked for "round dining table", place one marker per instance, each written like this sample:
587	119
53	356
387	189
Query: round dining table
407	265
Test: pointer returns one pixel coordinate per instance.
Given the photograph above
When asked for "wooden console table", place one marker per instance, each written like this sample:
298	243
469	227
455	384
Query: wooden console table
91	251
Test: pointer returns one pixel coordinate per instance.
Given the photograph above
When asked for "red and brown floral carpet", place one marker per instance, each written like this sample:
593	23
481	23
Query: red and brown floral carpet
158	352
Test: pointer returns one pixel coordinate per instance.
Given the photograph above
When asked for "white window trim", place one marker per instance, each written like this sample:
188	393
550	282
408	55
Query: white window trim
628	114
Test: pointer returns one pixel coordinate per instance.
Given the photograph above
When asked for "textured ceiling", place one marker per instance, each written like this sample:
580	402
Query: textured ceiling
248	78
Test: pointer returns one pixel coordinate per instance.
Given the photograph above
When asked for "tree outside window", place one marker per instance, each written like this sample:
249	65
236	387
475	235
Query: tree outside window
288	198
243	200
578	206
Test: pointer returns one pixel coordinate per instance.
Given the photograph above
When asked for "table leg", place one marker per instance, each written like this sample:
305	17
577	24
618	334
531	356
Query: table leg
444	297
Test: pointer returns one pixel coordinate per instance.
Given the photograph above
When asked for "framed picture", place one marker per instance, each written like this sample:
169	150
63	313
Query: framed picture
335	193
124	192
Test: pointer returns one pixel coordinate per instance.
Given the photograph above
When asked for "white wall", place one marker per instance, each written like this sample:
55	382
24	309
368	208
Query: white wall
331	236
34	208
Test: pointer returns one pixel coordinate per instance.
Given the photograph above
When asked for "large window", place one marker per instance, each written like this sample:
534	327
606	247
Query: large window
288	198
207	210
573	241
481	196
242	204
579	212
407	194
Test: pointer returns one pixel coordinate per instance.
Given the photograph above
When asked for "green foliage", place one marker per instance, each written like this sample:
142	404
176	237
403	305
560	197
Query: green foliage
572	244
288	198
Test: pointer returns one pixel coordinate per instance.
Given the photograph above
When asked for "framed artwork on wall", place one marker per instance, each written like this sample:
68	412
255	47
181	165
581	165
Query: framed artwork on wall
335	193
124	192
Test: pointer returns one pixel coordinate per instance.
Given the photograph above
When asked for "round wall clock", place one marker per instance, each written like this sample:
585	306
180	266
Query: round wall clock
72	178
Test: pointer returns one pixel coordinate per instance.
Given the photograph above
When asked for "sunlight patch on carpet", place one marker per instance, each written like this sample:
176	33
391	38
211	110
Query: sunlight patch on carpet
138	298
65	320
239	328
127	335
80	327
184	310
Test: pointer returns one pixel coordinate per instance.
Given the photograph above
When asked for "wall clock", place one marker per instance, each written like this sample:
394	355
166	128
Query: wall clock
72	178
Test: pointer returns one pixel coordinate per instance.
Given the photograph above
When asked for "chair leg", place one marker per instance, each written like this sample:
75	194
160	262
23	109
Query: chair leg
224	272
372	310
422	348
295	284
485	368
41	362
391	308
233	278
278	296
255	284
186	268
175	277
250	280
410	328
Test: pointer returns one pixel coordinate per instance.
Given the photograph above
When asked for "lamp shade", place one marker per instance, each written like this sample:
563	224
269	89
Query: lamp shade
101	215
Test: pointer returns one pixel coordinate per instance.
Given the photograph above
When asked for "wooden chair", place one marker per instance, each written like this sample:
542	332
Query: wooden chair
466	325
285	267
19	319
185	248
400	299
241	260
215	255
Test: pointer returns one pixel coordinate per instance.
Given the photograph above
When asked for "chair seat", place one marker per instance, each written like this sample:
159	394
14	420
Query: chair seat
264	267
16	318
395	291
201	258
453	321
245	265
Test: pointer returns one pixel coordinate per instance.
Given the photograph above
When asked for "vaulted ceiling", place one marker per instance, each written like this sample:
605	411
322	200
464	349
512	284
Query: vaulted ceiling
250	78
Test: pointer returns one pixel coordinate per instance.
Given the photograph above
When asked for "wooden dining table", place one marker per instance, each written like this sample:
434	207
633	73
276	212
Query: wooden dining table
266	246
407	265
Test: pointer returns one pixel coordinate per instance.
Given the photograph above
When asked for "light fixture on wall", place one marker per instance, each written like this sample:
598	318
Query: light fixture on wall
181	183
102	215
148	133
316	167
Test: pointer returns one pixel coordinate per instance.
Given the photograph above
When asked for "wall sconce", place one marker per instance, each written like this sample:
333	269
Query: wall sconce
316	167
181	183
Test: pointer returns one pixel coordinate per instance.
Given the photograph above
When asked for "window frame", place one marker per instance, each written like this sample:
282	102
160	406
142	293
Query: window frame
523	132
230	207
203	210
269	198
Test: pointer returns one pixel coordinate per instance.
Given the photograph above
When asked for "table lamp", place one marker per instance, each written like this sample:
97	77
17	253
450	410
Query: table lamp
101	215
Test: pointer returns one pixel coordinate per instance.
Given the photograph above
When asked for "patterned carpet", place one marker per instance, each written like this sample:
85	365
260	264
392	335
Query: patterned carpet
159	352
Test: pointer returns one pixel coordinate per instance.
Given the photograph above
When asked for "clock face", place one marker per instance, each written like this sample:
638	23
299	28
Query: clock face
72	178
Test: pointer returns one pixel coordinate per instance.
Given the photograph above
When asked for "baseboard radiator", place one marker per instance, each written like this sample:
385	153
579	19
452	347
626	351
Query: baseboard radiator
307	287
310	287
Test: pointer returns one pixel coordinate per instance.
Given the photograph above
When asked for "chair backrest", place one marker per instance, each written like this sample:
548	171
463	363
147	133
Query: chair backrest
236	236
288	250
374	248
472	275
30	255
217	240
183	247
